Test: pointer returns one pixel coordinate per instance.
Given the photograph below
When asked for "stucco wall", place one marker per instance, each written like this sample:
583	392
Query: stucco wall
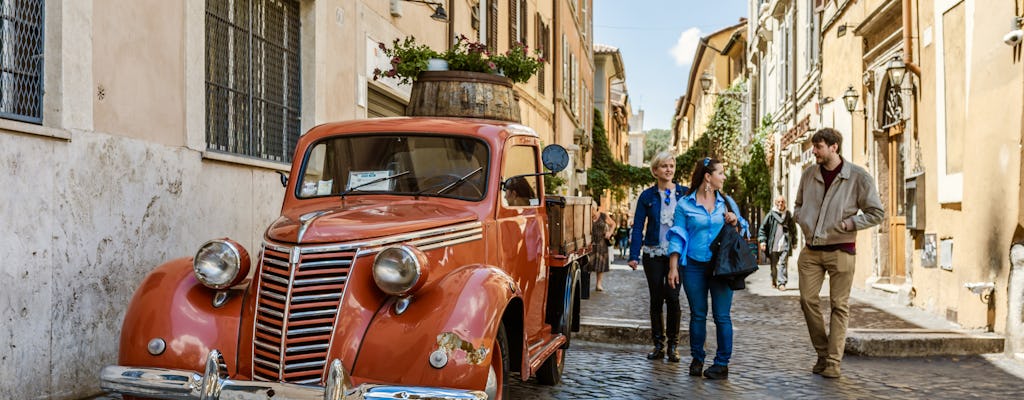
88	218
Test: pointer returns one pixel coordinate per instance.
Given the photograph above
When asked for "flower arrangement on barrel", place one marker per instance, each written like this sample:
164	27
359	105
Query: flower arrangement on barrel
408	59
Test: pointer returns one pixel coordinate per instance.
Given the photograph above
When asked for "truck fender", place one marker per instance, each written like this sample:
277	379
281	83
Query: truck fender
458	315
173	306
564	300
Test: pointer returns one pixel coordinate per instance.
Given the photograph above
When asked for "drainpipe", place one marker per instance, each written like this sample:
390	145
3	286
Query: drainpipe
1015	289
908	52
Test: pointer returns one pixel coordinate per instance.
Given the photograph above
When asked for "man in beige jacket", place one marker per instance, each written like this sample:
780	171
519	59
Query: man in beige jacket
836	199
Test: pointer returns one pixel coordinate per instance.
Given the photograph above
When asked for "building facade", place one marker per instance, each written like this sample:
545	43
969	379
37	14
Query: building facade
132	132
919	89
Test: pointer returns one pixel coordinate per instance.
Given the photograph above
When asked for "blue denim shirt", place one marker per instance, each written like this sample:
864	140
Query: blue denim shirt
694	228
648	212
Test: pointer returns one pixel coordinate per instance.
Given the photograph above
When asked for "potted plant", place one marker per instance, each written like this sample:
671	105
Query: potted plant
409	59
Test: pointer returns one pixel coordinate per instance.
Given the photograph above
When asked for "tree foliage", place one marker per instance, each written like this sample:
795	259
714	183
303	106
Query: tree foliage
606	173
655	141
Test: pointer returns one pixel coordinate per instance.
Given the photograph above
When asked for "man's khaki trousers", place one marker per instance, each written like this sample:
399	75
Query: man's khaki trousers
812	267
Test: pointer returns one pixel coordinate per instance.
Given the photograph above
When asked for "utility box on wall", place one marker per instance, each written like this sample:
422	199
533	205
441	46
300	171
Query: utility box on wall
915	207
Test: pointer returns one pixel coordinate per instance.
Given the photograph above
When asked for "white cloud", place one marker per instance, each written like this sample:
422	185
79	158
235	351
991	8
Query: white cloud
685	47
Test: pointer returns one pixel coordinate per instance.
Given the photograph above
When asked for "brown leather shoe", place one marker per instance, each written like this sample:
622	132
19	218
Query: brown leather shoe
831	370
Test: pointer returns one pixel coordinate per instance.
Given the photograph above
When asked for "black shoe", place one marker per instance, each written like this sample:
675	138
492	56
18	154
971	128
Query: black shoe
656	354
696	368
673	354
717	372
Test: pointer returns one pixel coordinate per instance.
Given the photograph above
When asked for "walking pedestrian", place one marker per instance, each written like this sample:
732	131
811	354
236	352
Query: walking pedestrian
775	238
698	218
622	238
601	231
835	199
651	222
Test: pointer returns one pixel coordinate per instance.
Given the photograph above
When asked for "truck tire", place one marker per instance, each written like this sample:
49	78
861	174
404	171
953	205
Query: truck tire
497	377
550	373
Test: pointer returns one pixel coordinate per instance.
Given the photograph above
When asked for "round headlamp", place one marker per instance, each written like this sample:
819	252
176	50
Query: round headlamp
221	263
399	270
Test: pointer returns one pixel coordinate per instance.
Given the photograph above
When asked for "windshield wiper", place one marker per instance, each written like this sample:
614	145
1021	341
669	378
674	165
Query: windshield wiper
452	185
378	180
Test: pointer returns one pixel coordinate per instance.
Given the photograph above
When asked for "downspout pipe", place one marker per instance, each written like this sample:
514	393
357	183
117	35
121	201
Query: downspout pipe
1015	297
908	51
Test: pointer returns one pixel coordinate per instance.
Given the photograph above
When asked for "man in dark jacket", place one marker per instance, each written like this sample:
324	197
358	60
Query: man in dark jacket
776	238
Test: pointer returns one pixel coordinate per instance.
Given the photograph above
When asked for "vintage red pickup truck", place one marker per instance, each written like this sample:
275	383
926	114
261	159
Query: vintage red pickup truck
414	257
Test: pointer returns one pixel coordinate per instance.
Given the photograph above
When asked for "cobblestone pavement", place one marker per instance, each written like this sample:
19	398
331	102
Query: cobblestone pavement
772	356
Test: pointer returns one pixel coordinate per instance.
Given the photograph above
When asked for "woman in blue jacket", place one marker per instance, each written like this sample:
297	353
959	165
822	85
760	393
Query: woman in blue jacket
699	217
651	222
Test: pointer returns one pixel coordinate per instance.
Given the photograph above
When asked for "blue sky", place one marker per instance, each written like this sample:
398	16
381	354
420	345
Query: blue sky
658	39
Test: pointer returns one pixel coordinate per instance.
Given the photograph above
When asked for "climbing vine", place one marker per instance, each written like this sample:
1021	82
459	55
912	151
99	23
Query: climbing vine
606	173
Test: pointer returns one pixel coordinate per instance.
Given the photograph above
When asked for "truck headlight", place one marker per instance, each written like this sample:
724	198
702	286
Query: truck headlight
399	270
221	263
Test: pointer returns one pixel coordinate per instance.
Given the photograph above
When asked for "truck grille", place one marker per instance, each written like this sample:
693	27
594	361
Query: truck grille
295	313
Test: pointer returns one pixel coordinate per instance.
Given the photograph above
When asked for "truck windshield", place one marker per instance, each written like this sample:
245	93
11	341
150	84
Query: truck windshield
445	166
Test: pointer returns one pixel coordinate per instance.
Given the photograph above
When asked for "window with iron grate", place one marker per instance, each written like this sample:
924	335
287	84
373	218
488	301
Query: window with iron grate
21	64
253	87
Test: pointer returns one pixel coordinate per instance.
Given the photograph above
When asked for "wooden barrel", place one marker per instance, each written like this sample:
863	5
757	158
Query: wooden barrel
463	94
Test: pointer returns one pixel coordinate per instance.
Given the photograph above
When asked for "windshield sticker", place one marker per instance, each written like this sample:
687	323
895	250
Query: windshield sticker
323	188
358	178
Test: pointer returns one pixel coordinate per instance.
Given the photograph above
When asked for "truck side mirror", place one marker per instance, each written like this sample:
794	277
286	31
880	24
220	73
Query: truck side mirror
554	157
284	178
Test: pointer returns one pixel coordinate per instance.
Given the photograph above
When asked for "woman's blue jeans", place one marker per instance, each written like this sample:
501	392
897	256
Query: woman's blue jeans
697	283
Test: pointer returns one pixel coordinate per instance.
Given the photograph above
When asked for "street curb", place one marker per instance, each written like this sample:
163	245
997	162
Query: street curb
920	342
860	342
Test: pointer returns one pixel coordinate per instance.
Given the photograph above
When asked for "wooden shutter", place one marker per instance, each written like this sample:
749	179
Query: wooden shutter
379	104
492	26
513	21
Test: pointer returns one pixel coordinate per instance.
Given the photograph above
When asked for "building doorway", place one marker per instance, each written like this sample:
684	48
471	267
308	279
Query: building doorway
892	161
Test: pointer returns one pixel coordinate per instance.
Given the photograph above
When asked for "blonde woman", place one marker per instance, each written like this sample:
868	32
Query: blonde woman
652	220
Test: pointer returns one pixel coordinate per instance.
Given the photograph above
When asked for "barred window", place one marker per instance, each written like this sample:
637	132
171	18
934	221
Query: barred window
21	60
252	77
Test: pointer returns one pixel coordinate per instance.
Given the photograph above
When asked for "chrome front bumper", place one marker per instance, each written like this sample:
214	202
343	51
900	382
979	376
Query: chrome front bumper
179	384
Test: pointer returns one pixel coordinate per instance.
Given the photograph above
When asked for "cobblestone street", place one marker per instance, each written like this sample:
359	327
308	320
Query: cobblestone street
772	356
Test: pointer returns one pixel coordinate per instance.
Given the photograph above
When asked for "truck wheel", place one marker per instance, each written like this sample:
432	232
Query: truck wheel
497	376
550	373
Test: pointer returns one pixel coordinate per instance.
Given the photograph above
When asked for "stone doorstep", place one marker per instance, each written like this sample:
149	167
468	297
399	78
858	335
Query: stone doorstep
860	342
921	342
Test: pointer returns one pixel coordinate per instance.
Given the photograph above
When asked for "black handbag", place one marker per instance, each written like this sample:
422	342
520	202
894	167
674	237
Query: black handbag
731	258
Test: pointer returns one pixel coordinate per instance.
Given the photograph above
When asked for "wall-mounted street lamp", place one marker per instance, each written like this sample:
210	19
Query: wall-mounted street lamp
705	81
896	70
439	13
850	97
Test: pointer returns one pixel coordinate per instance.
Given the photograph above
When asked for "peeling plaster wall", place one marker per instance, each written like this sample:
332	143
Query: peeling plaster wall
87	220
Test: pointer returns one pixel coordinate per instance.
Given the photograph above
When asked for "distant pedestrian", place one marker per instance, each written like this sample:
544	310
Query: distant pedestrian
601	233
622	238
651	222
775	238
836	199
699	217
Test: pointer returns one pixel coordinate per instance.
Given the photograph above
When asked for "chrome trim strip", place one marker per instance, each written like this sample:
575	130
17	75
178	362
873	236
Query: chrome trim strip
308	364
315	297
275	278
274	261
273	295
321	281
188	385
331	263
304	331
377	242
266	363
452	242
268	329
265	346
307	314
272	312
307	348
